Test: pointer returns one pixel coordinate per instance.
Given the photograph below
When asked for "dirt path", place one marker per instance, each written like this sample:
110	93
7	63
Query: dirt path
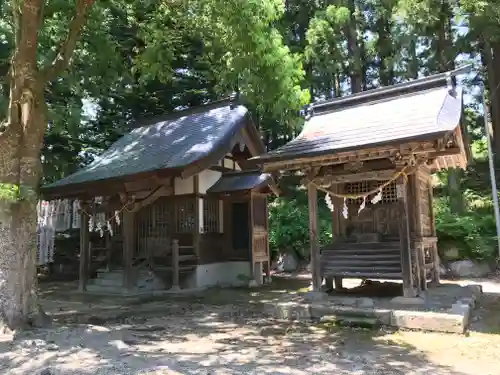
189	337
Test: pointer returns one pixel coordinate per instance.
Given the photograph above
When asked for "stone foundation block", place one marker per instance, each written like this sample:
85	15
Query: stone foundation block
429	321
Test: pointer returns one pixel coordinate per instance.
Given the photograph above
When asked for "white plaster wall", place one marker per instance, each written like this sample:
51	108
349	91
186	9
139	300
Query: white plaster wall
183	186
207	178
222	274
228	163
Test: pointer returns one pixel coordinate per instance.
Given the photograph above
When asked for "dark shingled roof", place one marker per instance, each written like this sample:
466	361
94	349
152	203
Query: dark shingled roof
165	144
420	109
240	181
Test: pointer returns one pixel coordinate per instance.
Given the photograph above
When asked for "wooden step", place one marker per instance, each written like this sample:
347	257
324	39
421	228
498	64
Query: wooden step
344	261
363	245
359	268
343	251
368	274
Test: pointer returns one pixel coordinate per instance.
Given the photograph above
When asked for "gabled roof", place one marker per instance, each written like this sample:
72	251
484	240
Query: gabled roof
422	109
169	143
239	181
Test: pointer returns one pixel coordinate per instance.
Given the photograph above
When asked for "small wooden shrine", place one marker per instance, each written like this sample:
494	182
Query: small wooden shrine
373	154
174	203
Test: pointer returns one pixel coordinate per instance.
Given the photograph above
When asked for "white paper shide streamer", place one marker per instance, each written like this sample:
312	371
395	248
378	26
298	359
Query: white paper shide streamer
362	206
329	203
345	209
377	198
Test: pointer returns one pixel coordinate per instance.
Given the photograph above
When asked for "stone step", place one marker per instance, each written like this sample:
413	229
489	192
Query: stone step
107	282
358	321
118	274
104	289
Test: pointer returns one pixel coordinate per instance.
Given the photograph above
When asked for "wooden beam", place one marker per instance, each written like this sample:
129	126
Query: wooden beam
444	152
128	248
353	177
312	195
341	157
161	191
84	249
404	237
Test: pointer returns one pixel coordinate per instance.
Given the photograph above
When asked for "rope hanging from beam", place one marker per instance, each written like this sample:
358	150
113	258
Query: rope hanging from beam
403	172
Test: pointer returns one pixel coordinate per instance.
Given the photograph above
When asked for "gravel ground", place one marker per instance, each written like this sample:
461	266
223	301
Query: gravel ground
194	338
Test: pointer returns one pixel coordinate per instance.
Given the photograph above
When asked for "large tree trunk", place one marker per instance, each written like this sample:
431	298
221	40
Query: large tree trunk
21	137
354	50
19	175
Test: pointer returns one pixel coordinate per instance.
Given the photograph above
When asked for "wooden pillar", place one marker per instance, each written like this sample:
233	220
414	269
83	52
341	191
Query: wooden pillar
435	277
253	265
175	265
128	248
404	237
312	194
198	225
84	250
329	281
414	198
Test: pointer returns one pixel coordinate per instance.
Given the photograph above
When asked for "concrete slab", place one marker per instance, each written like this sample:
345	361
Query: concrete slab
445	310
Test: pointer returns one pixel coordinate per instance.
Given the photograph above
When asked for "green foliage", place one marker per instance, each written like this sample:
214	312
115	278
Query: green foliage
9	192
14	193
473	233
246	52
289	224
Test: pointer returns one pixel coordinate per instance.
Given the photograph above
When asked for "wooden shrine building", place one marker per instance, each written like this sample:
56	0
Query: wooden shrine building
174	203
373	154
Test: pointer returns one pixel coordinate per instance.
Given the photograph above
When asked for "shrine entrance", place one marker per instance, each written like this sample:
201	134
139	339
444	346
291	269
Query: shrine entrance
371	155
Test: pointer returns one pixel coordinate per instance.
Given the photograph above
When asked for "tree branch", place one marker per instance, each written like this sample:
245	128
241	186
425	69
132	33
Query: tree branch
66	48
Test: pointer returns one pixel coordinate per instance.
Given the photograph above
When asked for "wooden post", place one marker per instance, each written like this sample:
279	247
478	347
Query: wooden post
404	237
84	250
128	248
175	265
198	225
312	195
435	277
251	233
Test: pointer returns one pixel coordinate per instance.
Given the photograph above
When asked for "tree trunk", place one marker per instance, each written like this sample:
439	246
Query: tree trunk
355	64
19	175
21	137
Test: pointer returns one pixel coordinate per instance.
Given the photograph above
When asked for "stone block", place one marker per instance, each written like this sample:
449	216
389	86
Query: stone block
460	308
468	268
253	284
429	321
290	311
415	301
365	303
313	296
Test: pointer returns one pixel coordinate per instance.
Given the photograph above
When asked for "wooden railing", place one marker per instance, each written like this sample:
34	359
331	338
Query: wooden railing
177	262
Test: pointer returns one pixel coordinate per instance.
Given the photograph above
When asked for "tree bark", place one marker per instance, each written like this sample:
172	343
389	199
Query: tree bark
355	63
21	137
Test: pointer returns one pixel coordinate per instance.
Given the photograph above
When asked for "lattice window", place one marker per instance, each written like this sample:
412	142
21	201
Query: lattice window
389	193
259	212
184	212
212	216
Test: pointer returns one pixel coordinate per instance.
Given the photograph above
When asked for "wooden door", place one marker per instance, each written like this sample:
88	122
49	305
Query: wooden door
260	240
240	238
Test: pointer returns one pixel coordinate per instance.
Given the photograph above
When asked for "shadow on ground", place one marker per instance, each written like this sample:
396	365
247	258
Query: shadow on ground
217	332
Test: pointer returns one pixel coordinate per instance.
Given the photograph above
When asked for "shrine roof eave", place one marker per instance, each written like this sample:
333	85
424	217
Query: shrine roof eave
277	162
